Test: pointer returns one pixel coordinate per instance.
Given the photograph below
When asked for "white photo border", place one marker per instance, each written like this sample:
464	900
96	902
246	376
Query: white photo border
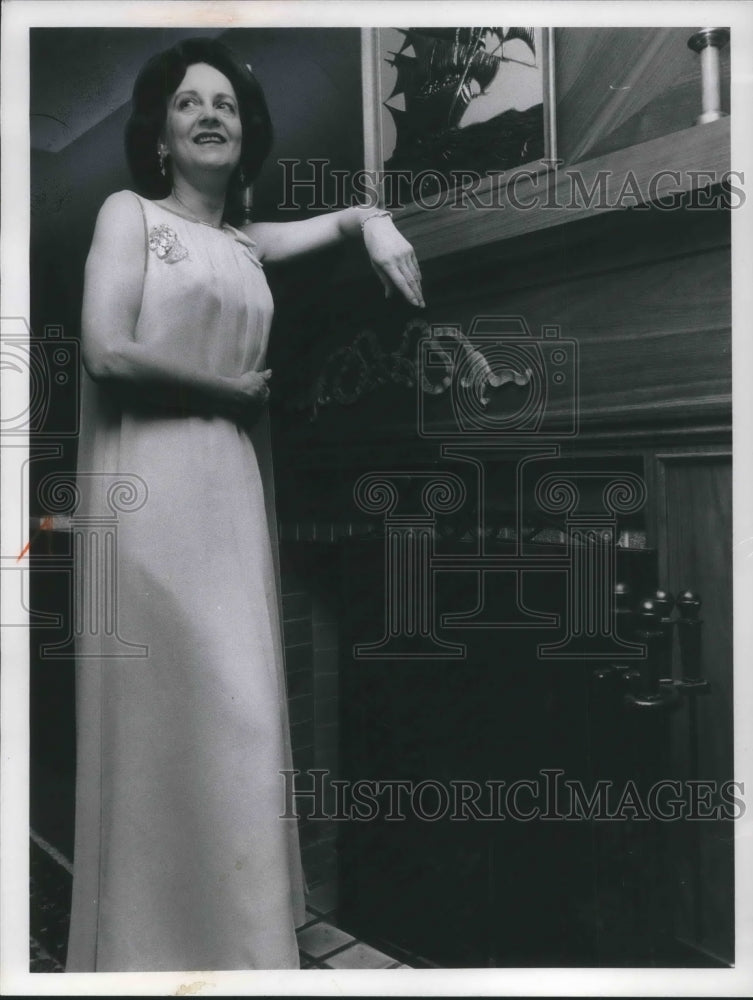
18	17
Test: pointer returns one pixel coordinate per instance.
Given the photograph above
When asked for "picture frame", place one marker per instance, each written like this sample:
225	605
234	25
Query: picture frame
443	108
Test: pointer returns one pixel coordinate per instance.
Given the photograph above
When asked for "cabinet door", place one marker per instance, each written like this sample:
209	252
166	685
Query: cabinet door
694	536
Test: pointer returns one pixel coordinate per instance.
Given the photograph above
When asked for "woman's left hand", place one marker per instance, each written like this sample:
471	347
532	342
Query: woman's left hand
393	259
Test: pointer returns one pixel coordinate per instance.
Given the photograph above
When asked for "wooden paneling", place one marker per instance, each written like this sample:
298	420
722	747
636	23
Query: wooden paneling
646	296
694	507
653	338
694	533
627	176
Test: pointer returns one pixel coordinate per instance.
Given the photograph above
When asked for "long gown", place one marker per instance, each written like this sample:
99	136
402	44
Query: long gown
182	860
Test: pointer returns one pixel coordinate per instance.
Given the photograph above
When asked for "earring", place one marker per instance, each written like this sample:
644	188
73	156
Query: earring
242	178
162	154
247	201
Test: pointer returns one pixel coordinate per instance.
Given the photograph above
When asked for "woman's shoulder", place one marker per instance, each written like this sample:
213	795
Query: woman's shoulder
120	220
120	206
123	202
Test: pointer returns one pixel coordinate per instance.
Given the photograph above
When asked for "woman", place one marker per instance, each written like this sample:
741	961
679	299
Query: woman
181	857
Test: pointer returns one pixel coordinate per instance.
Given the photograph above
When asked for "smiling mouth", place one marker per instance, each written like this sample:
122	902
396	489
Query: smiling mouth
206	138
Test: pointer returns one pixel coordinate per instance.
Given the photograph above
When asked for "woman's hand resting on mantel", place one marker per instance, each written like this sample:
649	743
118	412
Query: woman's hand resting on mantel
393	259
392	256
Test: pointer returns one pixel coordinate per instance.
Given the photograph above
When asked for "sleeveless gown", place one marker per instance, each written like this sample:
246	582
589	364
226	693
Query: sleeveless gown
182	860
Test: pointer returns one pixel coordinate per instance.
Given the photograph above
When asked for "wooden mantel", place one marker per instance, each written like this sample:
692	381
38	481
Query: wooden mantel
644	292
699	155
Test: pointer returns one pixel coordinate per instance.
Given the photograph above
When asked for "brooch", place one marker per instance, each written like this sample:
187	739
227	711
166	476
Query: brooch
165	243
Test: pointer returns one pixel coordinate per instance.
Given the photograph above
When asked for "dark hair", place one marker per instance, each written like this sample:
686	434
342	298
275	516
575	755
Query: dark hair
158	81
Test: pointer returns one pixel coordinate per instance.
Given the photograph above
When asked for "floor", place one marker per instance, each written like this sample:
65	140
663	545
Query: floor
322	944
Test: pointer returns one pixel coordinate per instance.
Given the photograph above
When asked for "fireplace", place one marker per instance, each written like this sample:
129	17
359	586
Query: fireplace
474	666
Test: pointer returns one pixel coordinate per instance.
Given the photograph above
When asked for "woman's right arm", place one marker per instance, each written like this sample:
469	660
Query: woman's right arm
113	286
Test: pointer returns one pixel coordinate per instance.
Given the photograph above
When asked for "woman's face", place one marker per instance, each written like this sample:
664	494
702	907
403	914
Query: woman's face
203	125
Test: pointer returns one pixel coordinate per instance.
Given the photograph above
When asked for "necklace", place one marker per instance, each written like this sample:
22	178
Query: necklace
194	218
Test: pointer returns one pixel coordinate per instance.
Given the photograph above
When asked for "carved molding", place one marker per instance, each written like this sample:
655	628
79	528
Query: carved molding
363	366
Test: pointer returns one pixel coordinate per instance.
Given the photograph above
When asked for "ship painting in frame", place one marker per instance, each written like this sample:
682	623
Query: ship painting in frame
447	105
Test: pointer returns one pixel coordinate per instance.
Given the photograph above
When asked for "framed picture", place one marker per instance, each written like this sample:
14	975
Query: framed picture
455	106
